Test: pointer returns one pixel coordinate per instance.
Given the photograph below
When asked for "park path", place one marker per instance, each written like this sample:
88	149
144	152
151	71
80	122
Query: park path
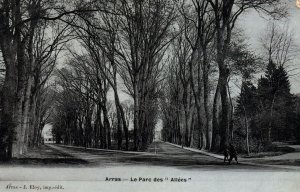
159	154
288	156
289	161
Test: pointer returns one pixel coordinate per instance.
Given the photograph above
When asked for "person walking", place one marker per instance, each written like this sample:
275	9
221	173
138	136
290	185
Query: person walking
226	154
232	154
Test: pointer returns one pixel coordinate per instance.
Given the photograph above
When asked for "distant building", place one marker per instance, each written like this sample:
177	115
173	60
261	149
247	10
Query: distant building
158	135
47	134
157	131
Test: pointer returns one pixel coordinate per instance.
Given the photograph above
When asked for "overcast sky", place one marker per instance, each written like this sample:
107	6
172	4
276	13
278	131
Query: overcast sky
254	26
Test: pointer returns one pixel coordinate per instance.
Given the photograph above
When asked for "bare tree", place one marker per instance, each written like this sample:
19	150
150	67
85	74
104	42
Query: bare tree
200	21
26	53
280	50
278	45
145	34
226	14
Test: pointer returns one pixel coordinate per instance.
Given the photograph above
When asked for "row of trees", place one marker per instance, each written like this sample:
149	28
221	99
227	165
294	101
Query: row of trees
122	50
208	46
32	35
30	43
83	115
164	54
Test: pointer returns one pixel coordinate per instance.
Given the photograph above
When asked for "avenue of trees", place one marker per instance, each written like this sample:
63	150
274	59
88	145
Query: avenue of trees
67	63
28	55
198	108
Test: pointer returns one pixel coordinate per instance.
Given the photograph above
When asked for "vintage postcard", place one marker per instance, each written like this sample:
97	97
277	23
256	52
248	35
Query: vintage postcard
149	95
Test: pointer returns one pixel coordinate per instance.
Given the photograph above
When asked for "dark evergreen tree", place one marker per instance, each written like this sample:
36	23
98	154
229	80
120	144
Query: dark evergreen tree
247	99
296	120
276	104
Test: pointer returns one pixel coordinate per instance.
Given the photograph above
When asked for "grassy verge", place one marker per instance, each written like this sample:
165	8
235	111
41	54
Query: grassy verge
273	150
43	155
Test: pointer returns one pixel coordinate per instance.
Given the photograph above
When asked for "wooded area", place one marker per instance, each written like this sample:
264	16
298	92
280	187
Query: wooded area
69	63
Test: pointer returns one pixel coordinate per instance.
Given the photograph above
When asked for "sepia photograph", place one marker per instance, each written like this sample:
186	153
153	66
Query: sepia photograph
150	95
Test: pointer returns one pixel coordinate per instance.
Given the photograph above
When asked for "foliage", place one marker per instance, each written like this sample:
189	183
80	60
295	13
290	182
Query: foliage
270	108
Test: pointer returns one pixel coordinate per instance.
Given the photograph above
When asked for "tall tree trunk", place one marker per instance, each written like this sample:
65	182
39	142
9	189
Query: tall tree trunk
222	46
122	116
230	121
119	125
26	114
101	128
247	131
8	103
225	110
216	131
206	100
19	142
136	117
125	128
37	105
269	139
186	132
107	125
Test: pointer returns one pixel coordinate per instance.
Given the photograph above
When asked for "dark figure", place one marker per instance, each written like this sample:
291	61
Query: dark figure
232	154
226	154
